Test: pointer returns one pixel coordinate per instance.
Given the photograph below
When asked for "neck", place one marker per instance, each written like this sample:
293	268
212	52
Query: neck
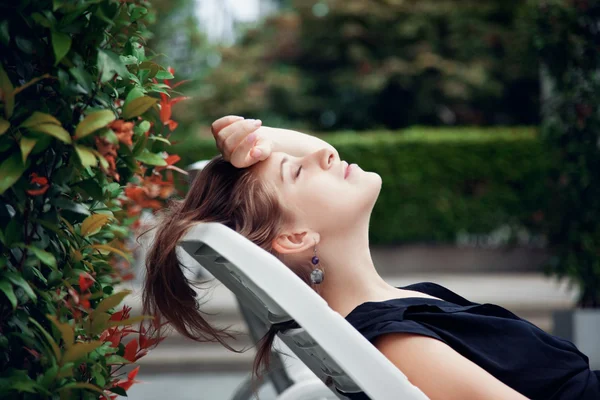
350	277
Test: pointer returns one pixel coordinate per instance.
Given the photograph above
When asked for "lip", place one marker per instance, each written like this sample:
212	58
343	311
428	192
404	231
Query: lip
347	170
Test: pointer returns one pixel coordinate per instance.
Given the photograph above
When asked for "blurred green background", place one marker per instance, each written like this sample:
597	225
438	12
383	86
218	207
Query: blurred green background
440	97
358	64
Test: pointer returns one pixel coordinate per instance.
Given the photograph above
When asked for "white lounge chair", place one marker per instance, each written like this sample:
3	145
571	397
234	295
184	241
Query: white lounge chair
325	342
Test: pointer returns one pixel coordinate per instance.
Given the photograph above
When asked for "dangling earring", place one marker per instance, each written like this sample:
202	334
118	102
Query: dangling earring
316	276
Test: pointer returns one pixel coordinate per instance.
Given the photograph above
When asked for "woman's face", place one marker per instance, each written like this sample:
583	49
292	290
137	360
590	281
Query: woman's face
317	191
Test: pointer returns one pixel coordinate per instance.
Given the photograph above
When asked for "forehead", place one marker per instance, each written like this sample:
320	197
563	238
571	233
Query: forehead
270	168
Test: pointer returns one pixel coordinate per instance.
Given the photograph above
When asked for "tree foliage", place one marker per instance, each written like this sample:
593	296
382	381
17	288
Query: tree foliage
567	40
364	64
85	117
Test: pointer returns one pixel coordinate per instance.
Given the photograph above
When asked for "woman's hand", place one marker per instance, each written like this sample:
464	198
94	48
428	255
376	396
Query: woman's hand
239	141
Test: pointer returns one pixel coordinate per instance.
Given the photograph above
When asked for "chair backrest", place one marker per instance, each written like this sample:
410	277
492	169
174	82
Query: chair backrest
326	342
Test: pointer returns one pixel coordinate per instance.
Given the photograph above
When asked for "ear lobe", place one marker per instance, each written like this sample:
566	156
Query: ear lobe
290	243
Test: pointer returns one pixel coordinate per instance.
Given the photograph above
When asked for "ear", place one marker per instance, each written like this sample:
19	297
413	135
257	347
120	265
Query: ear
295	242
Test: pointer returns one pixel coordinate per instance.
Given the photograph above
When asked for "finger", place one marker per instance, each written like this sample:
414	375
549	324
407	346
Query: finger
262	150
226	132
241	154
223	122
237	132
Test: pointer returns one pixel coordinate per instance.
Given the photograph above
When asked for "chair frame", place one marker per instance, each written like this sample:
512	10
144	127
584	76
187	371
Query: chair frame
326	342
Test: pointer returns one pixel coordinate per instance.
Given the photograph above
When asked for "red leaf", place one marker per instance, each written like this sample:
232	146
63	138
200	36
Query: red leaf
39	180
85	303
37	192
85	281
141	354
178	99
133	373
118	316
130	350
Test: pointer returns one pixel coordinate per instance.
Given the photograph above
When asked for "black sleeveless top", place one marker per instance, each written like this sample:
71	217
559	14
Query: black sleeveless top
518	353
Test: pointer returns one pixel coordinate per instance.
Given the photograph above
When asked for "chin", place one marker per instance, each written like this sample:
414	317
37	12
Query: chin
371	188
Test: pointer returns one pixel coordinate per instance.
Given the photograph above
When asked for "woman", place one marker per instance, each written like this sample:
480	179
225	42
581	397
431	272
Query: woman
290	194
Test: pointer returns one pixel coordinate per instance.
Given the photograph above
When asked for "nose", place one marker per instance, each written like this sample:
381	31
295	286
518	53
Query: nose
326	158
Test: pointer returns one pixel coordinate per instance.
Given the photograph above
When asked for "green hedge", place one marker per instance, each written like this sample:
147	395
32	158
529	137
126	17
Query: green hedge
440	182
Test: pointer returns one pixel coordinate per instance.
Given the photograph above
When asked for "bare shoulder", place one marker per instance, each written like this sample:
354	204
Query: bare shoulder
440	371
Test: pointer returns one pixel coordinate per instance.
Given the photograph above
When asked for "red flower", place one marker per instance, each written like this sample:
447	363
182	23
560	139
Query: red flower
123	130
40	182
109	152
85	281
166	103
171	160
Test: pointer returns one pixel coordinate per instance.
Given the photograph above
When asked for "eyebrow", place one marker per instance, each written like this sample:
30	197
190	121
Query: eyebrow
284	160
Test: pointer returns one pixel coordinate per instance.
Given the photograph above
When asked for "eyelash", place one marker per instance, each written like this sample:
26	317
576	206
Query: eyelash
298	173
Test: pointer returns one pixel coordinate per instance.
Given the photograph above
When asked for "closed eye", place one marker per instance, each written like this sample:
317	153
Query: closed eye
298	173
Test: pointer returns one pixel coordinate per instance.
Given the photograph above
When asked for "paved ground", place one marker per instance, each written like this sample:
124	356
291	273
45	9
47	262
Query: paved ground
203	386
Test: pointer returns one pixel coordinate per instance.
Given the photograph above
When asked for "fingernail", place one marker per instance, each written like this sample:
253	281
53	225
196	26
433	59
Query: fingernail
257	122
251	137
257	153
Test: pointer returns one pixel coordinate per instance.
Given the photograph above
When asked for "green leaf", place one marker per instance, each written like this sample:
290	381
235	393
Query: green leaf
93	122
61	43
4	125
137	106
66	330
99	323
109	64
22	283
8	291
53	130
118	390
4	34
93	224
82	385
11	170
110	249
134	94
7	93
116	359
150	158
111	301
83	78
26	146
79	350
13	232
152	67
160	139
86	155
164	75
49	338
103	161
44	256
91	188
38	118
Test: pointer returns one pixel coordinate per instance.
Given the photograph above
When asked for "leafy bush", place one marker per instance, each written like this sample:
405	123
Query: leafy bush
364	64
440	182
567	39
82	139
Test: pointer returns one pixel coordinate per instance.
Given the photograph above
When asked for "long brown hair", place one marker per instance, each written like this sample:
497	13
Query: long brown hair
220	193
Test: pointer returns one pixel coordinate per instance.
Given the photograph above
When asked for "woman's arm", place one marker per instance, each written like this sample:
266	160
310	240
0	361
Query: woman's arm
292	142
441	372
246	142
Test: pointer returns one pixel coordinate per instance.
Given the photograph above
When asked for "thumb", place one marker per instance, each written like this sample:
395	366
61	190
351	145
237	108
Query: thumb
262	151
